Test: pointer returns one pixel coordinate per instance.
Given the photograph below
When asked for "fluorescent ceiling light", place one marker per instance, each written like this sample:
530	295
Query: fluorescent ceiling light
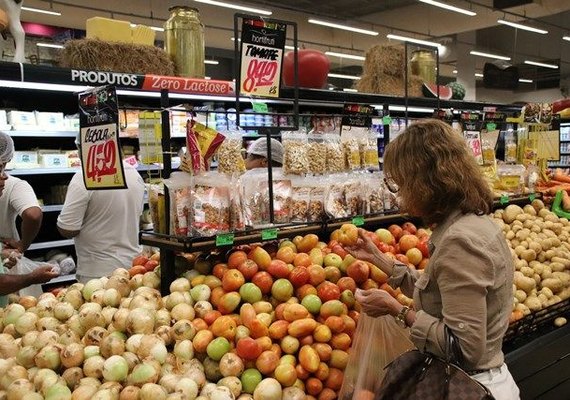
478	75
539	64
50	45
350	90
38	10
211	62
525	80
413	40
566	38
235	7
341	76
343	27
454	71
489	55
207	78
342	55
289	47
411	109
233	39
523	27
449	7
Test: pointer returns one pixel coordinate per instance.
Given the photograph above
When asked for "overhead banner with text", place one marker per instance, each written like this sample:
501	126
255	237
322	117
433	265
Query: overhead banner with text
262	46
100	155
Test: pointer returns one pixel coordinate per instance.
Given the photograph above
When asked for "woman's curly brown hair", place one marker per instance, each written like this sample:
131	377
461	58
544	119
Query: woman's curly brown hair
436	172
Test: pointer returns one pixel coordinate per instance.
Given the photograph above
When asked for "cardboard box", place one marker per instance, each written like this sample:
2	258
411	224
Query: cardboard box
25	157
50	121
22	119
54	160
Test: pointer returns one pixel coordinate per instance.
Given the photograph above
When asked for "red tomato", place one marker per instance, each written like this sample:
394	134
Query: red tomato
313	68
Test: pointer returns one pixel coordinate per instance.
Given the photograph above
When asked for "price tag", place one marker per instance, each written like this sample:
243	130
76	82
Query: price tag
225	239
491	126
532	196
269	234
260	107
504	199
387	120
358	220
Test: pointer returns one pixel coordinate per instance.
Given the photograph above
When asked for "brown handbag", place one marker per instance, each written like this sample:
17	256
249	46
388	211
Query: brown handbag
422	376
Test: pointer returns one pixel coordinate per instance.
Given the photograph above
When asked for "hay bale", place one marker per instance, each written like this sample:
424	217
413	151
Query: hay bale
383	73
94	54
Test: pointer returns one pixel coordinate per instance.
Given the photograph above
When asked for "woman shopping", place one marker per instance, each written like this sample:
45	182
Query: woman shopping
467	285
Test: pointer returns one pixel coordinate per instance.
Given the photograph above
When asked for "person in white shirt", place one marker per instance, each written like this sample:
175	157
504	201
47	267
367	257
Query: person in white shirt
104	224
19	199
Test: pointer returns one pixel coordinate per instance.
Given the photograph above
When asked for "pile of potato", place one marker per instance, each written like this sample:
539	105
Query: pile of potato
540	246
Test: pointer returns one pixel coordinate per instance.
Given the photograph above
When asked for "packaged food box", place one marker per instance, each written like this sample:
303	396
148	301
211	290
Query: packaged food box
53	160
50	121
22	119
24	159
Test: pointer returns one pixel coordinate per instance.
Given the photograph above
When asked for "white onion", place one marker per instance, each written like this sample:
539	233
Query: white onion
5	364
159	352
58	392
12	312
26	356
18	388
46	338
69	337
207	389
29	338
98	297
176	396
120	319
32	373
130	393
151	280
201	292
26	323
187	387
49	324
247	396
72	355
114	387
90	287
268	389
183	311
233	383
105	394
108	313
46	295
90	351
32	396
197	376
8	346
48	357
149	299
72	376
202	307
90	317
90	381
115	369
136	282
93	367
163	317
112	345
77	286
152	391
163	332
45	307
167	369
73	297
184	350
169	382
45	375
120	283
133	342
183	330
63	311
14	373
28	301
221	393
140	320
131	359
231	365
74	324
10	330
151	345
143	373
120	272
83	392
112	297
94	336
180	285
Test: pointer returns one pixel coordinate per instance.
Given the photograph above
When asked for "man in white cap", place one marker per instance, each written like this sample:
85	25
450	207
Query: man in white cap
257	154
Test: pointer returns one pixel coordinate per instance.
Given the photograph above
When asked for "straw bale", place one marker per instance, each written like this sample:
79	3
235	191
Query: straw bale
94	54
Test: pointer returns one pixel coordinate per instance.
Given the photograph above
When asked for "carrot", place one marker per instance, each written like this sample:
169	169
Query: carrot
560	176
565	201
552	190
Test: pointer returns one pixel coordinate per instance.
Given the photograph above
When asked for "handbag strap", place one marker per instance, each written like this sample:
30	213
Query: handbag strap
453	353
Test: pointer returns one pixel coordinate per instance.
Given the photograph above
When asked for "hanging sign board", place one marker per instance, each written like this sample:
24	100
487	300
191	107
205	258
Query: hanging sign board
262	47
100	155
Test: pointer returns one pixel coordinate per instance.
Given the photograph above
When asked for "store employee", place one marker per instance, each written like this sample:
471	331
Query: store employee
257	154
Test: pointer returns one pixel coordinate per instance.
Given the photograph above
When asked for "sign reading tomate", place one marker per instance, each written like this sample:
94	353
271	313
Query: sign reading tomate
100	156
262	45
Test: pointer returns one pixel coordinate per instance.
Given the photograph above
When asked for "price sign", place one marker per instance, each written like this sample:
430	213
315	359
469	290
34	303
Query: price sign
532	196
269	234
473	139
262	46
386	120
225	239
358	220
99	126
260	107
491	126
504	199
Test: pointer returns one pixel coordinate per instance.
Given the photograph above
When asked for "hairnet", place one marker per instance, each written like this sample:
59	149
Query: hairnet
6	148
259	148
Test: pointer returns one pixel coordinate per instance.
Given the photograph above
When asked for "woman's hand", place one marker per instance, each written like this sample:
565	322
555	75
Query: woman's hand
366	250
377	302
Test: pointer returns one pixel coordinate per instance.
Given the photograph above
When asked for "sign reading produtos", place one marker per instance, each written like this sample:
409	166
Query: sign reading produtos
100	156
262	47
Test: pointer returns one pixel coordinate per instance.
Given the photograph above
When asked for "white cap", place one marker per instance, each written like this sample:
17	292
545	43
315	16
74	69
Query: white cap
6	148
259	148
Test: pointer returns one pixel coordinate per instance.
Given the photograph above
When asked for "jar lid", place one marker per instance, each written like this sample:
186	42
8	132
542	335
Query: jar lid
187	8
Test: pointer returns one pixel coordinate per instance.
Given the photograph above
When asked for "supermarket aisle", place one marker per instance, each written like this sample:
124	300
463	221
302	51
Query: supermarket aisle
541	367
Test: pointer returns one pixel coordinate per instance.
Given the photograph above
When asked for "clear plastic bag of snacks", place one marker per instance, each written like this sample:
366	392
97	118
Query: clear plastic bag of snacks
230	159
373	201
211	204
336	161
300	200
295	158
335	201
180	191
351	139
237	217
156	205
369	152
316	210
353	195
255	197
281	198
317	154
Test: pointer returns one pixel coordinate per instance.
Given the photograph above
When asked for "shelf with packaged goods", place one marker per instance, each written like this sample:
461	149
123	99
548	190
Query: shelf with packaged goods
47	171
42	134
51	245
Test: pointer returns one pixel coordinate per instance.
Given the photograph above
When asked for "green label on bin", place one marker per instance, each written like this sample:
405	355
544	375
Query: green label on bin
386	120
532	196
491	126
269	234
260	107
504	199
358	220
225	239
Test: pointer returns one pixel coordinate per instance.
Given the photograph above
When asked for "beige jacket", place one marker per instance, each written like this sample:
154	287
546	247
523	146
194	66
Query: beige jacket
468	286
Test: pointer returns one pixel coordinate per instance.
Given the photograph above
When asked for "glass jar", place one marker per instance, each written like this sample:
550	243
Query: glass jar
184	42
423	64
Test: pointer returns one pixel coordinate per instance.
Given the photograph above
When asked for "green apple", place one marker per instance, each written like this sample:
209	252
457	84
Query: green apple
332	260
250	379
